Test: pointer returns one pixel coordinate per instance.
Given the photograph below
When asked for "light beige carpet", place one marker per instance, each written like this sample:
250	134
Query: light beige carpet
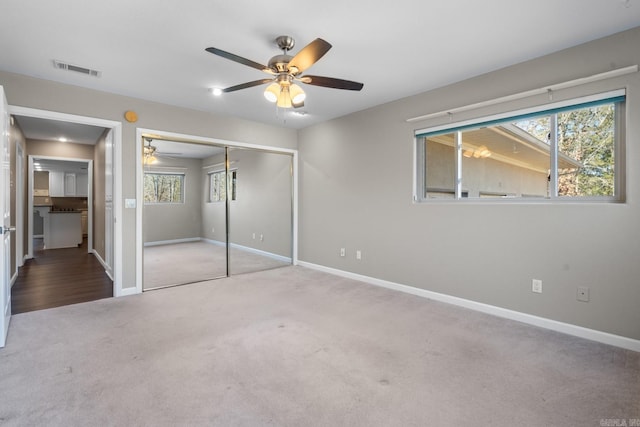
174	264
297	347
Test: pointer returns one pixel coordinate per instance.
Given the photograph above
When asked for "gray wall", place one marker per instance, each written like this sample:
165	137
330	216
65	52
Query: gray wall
41	180
59	149
46	95
263	204
356	192
180	220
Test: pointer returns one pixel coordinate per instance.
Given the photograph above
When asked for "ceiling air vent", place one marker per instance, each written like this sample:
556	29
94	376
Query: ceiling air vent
69	67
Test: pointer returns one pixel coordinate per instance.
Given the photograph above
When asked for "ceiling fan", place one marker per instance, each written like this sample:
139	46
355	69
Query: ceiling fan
286	70
150	153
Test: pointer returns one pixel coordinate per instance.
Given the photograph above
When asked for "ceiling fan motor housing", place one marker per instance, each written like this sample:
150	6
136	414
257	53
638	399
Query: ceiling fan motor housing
280	63
285	43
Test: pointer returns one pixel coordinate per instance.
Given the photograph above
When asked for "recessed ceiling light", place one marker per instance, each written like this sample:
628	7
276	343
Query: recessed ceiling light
62	139
216	91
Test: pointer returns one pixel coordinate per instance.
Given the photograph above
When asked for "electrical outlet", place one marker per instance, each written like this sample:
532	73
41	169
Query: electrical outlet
253	236
536	286
262	237
582	294
343	252
358	254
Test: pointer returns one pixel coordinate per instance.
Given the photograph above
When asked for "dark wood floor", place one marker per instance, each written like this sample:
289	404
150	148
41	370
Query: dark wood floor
58	277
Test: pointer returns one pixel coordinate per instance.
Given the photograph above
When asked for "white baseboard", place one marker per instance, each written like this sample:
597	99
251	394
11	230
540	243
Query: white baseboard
13	279
213	242
252	250
554	325
107	269
125	292
219	243
172	242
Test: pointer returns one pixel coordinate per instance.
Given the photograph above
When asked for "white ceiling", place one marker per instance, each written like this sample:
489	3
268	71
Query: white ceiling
53	130
60	165
156	50
183	149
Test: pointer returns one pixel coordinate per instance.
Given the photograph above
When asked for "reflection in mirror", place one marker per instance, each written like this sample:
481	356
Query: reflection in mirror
198	197
260	216
440	167
184	233
504	161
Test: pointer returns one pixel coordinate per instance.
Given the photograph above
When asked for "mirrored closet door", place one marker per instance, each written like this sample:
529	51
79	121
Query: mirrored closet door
213	211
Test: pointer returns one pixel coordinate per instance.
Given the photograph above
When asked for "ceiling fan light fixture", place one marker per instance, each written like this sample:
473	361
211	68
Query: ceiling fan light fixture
272	92
284	100
285	69
297	94
149	159
148	153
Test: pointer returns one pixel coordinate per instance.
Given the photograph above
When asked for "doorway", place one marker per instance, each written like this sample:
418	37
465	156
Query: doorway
59	208
112	130
232	209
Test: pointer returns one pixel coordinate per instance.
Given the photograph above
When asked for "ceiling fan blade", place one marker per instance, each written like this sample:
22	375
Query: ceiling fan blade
239	59
247	85
309	55
331	82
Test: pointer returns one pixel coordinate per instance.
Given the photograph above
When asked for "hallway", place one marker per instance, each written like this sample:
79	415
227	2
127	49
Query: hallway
58	277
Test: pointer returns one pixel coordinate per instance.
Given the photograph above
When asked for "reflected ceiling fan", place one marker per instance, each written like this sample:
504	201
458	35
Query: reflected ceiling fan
151	153
286	70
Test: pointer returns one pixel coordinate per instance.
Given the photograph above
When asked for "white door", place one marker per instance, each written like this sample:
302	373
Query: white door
5	209
108	203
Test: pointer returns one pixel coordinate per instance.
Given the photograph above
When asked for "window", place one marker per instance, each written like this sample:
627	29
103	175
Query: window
163	187
218	186
570	151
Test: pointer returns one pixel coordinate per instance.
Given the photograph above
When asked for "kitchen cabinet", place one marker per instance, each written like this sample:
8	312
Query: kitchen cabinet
61	229
56	184
64	230
69	184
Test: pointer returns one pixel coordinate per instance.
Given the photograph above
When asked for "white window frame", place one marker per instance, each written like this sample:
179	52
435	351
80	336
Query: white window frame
419	193
229	186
